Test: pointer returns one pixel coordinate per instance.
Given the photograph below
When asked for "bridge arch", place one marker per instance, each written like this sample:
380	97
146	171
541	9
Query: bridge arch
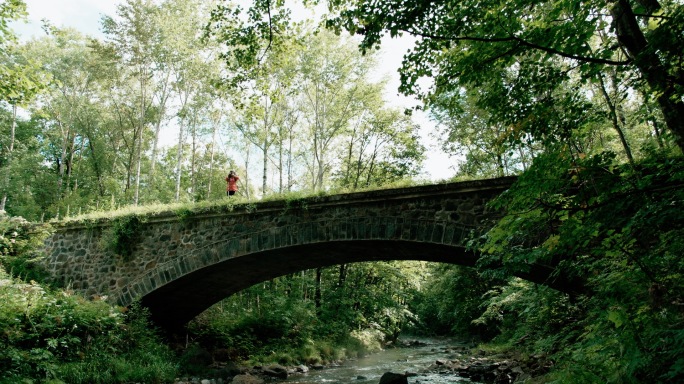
175	303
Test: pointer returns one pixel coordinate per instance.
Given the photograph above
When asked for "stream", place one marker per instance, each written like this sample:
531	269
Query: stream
366	370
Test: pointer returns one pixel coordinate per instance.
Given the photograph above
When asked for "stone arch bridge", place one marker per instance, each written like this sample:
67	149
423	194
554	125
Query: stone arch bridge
180	263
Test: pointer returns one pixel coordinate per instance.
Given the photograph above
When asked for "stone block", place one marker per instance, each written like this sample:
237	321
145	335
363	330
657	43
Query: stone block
437	233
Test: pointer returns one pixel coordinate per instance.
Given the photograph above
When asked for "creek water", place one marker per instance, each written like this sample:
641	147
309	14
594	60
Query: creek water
369	369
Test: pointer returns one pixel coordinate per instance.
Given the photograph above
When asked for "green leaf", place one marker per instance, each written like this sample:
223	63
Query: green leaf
617	318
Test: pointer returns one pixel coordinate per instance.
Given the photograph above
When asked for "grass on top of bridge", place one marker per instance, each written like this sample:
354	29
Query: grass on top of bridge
229	204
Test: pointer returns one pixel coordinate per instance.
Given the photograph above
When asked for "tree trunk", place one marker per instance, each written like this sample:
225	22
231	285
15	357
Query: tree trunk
96	161
346	178
179	160
633	40
193	158
62	157
141	125
78	161
614	119
656	129
501	171
265	168
317	294
523	161
247	172
289	160
70	163
265	148
3	202
163	98
281	144
213	150
342	275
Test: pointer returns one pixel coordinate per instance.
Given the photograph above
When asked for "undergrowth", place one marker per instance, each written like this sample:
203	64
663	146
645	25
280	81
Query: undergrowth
52	336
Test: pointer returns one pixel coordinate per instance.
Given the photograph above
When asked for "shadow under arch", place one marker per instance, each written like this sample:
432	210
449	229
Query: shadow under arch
176	303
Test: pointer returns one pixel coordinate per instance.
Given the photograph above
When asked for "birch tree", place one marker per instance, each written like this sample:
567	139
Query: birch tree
331	84
135	36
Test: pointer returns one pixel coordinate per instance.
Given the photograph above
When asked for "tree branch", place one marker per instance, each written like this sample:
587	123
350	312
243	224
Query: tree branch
521	41
270	30
554	51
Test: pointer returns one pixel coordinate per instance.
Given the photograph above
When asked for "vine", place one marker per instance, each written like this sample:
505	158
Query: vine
296	203
251	207
125	234
184	215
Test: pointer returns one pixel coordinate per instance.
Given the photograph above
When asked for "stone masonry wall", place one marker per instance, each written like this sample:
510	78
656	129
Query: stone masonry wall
167	246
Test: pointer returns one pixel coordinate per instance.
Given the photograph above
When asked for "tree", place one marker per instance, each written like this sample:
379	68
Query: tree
333	89
470	130
452	298
9	10
382	147
135	39
616	228
247	37
192	70
121	100
72	116
260	63
20	81
464	43
266	107
28	184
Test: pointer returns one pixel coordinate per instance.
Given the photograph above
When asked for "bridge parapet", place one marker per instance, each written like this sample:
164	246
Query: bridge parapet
217	252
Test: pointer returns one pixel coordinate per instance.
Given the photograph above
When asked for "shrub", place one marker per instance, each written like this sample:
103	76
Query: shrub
20	244
52	335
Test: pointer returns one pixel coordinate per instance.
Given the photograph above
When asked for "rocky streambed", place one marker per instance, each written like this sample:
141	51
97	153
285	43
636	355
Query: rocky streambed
413	361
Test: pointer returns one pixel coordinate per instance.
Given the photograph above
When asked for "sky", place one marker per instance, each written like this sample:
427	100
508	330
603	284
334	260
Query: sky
85	16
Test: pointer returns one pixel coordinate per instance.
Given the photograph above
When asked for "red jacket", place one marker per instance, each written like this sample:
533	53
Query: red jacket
232	183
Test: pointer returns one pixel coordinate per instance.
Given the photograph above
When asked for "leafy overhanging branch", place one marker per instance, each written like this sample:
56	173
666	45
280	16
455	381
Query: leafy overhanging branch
526	43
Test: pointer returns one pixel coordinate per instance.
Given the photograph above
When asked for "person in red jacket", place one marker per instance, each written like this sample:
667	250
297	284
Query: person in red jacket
232	180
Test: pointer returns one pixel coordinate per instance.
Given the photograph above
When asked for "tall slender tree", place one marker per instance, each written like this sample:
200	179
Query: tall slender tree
135	35
331	87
